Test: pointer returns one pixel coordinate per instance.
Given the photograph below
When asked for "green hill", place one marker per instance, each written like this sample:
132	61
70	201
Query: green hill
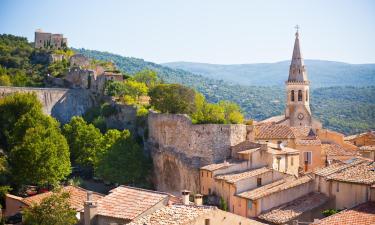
345	109
321	73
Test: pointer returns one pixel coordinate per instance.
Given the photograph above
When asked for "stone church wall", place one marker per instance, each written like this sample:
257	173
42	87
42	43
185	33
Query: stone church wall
60	103
173	138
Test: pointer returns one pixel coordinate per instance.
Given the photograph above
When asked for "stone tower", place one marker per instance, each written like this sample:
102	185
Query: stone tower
297	87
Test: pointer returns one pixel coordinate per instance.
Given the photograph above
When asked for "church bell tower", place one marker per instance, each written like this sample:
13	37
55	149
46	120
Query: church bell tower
298	88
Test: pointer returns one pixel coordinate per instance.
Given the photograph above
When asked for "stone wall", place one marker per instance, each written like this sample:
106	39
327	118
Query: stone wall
180	148
61	103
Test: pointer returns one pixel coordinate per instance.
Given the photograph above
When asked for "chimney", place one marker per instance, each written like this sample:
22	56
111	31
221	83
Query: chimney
198	199
185	197
90	208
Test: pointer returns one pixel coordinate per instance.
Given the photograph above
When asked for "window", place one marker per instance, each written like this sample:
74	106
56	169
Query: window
232	208
307	157
202	173
207	173
209	191
299	95
292	161
337	187
249	204
207	222
307	96
292	96
259	182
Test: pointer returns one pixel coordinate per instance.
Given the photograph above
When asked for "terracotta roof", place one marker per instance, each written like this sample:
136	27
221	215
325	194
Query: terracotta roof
363	214
300	131
77	197
363	173
126	202
178	215
287	212
367	148
235	177
337	150
274	187
245	145
336	167
274	119
314	141
274	131
351	137
216	166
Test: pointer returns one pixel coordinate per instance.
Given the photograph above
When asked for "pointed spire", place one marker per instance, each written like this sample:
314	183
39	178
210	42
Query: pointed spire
297	72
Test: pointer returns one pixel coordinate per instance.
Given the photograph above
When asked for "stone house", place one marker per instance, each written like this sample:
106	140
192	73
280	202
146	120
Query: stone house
348	183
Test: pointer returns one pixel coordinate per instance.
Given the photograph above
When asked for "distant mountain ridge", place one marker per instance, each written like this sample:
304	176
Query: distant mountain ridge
321	73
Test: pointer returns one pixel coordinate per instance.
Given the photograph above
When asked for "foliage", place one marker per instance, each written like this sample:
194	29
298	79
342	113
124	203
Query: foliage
173	98
3	191
330	212
54	209
12	108
148	77
42	158
84	142
223	204
124	161
58	68
5	80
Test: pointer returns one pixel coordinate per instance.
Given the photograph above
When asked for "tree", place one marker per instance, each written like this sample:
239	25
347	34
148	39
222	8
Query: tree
232	112
54	209
114	88
41	159
5	80
84	141
135	89
12	108
173	98
124	161
149	77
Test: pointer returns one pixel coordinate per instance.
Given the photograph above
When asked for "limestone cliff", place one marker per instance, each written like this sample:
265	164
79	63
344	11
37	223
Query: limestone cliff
60	103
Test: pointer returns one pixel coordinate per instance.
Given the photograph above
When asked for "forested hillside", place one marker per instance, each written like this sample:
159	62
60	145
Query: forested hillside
345	109
321	73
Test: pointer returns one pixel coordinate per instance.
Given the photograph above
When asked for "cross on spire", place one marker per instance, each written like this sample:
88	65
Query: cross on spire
297	28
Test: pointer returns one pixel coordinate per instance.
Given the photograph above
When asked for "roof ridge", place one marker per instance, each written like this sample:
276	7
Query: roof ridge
145	190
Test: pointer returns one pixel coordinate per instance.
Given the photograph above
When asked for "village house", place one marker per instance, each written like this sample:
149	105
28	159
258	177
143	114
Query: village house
15	204
348	183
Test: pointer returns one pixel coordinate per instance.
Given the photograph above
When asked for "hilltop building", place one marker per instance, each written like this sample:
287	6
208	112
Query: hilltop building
45	40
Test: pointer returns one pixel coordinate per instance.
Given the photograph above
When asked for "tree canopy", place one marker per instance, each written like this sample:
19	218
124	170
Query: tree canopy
54	209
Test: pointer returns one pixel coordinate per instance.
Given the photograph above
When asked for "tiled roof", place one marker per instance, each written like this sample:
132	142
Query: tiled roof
77	197
274	119
216	166
363	173
284	213
235	177
336	167
245	145
174	214
274	131
274	187
337	150
367	148
179	215
363	214
300	132
311	141
128	202
351	137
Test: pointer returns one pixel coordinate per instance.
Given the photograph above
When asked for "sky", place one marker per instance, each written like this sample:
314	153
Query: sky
207	31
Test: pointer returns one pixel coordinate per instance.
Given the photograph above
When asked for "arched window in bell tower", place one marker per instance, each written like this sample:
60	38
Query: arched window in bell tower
299	95
292	96
307	96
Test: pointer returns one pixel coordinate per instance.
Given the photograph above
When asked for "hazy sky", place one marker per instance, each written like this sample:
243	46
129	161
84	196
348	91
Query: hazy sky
213	31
